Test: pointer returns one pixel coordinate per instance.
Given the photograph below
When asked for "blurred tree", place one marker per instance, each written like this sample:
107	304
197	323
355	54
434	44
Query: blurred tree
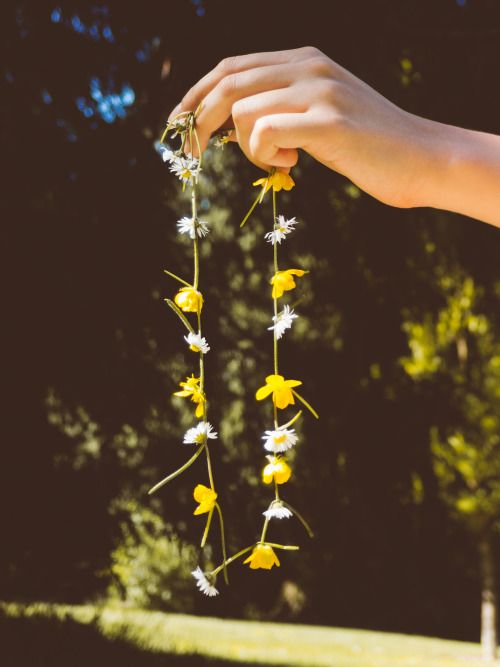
150	566
460	346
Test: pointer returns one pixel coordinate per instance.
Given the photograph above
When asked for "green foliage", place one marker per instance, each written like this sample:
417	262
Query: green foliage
463	346
150	565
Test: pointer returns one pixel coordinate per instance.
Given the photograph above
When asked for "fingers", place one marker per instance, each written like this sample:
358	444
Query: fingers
218	104
275	139
247	111
234	65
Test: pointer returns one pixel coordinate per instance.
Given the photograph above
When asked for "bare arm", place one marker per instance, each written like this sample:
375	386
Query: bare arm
282	101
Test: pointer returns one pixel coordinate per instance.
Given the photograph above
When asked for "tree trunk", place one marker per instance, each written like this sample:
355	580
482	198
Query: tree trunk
488	600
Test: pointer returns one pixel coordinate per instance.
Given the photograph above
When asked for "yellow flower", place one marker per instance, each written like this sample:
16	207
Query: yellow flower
189	300
276	181
280	388
191	387
277	469
262	556
206	498
282	281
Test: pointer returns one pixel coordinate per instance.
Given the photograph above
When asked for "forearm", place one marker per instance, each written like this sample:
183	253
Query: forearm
462	172
283	101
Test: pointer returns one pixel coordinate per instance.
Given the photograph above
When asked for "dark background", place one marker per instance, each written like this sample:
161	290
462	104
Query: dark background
92	354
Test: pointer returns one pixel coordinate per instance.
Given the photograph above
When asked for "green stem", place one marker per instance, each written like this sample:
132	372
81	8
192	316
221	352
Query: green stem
165	132
178	471
202	366
250	210
286	547
264	530
207	528
275	306
292	421
276	491
275	416
230	560
199	149
308	406
196	258
172	275
180	314
300	518
295	303
170	124
223	540
264	186
209	466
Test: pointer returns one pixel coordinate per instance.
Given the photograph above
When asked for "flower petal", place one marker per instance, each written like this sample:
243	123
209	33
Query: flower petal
263	392
293	383
273	379
199	492
283	399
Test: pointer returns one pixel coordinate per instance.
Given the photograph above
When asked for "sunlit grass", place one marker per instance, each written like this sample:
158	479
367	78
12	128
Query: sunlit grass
255	642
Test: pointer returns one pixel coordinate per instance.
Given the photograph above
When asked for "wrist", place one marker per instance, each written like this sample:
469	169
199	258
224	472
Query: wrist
436	152
460	170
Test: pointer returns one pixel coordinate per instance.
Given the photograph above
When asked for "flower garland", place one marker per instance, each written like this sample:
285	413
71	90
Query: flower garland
283	392
282	437
189	299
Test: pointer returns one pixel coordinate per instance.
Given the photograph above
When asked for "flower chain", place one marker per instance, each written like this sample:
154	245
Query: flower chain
283	392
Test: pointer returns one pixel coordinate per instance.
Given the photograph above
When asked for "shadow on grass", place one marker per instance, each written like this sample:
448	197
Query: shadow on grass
43	642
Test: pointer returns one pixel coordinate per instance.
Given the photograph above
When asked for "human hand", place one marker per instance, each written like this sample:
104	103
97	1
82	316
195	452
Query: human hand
282	101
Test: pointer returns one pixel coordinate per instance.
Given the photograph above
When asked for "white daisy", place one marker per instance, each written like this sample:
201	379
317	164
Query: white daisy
277	511
192	227
279	440
280	231
184	168
203	583
199	434
197	343
283	321
166	154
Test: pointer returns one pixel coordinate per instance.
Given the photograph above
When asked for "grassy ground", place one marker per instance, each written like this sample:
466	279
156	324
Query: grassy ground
42	635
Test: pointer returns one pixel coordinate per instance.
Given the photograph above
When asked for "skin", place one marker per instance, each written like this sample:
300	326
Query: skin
283	101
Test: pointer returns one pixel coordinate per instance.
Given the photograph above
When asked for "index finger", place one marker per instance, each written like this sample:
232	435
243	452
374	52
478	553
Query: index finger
231	65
